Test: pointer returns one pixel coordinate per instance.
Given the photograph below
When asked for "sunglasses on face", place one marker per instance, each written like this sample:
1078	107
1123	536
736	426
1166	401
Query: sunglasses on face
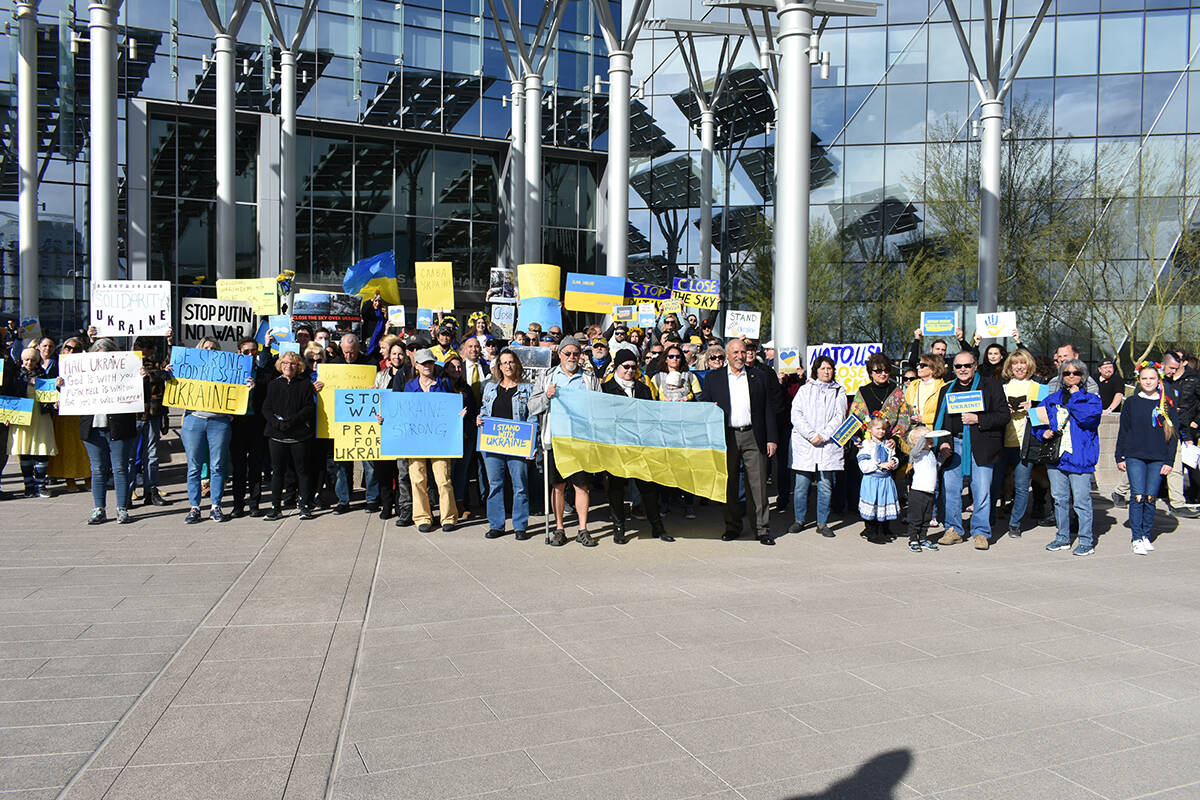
963	366
716	358
924	366
879	369
626	365
1076	373
674	356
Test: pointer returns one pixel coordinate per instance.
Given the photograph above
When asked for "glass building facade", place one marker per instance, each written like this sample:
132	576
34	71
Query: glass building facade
404	124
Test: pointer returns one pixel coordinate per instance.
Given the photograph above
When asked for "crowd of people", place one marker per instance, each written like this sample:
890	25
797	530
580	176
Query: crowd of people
1024	457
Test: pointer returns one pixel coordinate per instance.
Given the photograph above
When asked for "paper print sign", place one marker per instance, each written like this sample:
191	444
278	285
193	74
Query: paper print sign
16	410
131	308
46	390
846	431
595	294
261	293
100	383
742	324
209	380
938	323
507	437
997	325
789	361
624	313
962	402
645	315
504	317
289	347
396	317
30	328
671	306
702	293
424	319
227	321
435	284
422	424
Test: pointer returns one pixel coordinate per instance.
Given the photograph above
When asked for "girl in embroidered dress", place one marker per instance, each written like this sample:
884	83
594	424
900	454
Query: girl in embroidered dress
877	501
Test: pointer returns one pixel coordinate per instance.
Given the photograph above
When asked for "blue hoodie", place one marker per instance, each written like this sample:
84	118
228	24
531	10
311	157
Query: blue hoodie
1085	410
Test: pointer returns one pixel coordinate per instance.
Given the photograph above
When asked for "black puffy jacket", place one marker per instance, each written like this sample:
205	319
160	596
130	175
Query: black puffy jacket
1187	399
290	408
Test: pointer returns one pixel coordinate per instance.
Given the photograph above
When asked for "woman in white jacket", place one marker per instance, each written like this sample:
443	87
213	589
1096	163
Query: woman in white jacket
818	410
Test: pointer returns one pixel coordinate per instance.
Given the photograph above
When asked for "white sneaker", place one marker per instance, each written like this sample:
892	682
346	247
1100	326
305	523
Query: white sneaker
933	523
1139	547
1147	543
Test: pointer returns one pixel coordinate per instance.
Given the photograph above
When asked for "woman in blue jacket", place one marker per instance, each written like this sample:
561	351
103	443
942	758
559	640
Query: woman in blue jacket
506	396
1076	413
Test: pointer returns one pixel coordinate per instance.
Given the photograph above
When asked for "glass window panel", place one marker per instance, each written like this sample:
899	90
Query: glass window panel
831	192
866	124
866	53
197	241
304	244
1039	61
907	10
485	243
462	54
1120	93
163	136
863	170
906	113
414	240
496	119
1164	103
903	173
949	104
828	112
422	48
1121	43
561	246
949	65
328	182
1077	50
245	162
561	187
373	178
833	41
907	54
1076	7
162	240
485	184
1167	33
587	196
1071	156
452	184
246	241
1075	107
197	158
414	177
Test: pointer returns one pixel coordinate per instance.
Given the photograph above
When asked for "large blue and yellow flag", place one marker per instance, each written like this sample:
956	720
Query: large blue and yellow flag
673	444
371	275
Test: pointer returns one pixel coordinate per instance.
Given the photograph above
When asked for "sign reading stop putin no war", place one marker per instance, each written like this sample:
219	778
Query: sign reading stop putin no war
227	321
131	308
209	380
100	383
422	424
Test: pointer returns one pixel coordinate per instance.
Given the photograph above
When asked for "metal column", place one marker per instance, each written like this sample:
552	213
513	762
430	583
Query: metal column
27	157
708	135
226	175
516	177
793	145
620	73
102	154
287	159
533	168
989	206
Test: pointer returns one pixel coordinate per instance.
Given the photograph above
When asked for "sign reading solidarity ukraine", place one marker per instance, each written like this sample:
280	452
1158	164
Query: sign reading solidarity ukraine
131	308
508	437
208	380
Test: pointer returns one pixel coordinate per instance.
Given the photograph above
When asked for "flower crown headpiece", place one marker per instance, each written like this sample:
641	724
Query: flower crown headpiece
1141	365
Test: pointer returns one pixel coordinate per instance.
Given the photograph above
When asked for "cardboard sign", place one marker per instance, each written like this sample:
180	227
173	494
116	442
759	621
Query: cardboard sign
260	293
310	306
624	314
538	285
596	294
789	360
743	324
100	383
16	410
396	318
507	437
227	321
502	287
646	312
846	431
131	308
209	380
961	402
938	323
997	325
1040	416
435	284
422	424
849	362
504	317
702	293
644	292
46	390
338	376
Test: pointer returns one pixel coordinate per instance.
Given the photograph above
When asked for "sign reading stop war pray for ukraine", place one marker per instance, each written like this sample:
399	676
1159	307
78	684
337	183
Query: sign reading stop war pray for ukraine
100	383
209	380
508	437
334	377
131	308
422	424
355	428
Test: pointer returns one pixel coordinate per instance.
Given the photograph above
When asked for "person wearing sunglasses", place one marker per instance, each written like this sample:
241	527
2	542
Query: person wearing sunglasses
975	447
1072	413
673	381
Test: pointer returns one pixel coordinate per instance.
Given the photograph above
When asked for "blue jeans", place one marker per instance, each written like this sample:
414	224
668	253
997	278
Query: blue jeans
1022	472
516	467
981	493
148	434
206	441
1145	477
109	457
1072	489
824	481
343	478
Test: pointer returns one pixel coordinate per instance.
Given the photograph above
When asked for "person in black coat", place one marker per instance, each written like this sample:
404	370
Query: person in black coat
975	446
290	422
751	436
623	382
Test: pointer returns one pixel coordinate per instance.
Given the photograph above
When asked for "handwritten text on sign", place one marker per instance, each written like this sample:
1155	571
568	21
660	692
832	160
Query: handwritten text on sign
422	424
356	441
46	390
262	293
435	284
507	437
100	383
227	321
334	377
16	410
208	380
849	362
697	292
131	308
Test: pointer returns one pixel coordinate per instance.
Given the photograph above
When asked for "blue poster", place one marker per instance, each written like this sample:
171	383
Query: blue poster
424	319
356	405
961	402
218	366
938	323
646	291
422	424
508	437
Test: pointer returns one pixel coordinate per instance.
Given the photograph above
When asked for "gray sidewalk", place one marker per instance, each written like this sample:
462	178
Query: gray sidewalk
160	660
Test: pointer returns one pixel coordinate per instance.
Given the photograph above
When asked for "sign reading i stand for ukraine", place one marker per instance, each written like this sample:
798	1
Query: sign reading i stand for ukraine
962	402
938	323
702	293
507	437
422	424
208	380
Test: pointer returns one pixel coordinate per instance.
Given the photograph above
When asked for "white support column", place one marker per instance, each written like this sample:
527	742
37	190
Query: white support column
793	150
620	74
287	159
533	168
27	157
989	204
102	151
516	177
226	174
708	126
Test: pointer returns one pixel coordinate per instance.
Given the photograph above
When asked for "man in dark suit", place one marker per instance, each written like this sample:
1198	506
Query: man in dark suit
750	436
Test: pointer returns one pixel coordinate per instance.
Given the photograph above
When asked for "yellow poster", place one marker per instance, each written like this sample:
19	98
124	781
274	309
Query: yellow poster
435	285
356	441
338	376
259	292
197	395
538	280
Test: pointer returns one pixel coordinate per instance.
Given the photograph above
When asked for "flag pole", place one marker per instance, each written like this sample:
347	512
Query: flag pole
546	488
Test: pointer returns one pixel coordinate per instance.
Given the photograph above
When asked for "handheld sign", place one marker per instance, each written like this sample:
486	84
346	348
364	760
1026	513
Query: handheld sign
742	323
424	319
789	360
261	293
938	323
30	328
396	316
849	361
1039	415
280	328
624	313
507	437
209	380
131	308
997	325
334	377
697	292
46	390
963	402
100	383
847	430
227	321
538	285
642	292
16	410
422	424
671	306
355	428
645	315
504	316
289	347
593	293
435	284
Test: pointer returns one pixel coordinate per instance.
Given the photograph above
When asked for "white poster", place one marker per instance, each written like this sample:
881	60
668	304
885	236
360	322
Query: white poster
849	361
100	383
227	321
131	308
743	324
996	325
504	317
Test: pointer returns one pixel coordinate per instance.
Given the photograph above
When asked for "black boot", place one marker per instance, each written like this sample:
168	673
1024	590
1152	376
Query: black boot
661	534
619	531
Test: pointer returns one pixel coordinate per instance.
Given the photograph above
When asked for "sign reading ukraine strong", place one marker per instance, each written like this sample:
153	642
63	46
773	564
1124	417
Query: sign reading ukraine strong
208	380
674	444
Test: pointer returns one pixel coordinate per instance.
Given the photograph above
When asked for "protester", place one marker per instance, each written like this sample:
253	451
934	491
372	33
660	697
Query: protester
506	396
34	443
1022	392
391	474
1063	354
750	439
454	370
881	397
1073	414
418	473
923	459
673	381
247	444
1184	381
350	352
1112	386
70	463
878	502
993	361
937	347
289	412
150	424
922	395
818	410
1147	440
206	436
109	439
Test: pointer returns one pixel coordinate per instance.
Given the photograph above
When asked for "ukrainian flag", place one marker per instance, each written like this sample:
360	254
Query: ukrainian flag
673	444
593	293
371	275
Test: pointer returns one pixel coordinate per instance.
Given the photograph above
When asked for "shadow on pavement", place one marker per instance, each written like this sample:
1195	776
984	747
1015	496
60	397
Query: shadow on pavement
874	780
